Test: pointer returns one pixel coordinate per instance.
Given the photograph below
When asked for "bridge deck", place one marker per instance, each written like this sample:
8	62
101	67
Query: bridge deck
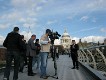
64	71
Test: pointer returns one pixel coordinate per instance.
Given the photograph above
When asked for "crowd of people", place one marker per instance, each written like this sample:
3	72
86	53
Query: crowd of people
28	53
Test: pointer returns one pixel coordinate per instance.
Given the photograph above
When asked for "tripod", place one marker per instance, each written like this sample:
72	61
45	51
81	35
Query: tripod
53	52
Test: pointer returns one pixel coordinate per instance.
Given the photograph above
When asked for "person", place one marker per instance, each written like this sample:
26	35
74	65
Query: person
37	58
23	54
74	55
31	52
25	57
45	49
57	53
13	45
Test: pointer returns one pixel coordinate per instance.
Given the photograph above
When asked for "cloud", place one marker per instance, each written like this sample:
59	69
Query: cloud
1	39
3	26
94	20
83	30
93	39
103	30
84	18
51	22
97	4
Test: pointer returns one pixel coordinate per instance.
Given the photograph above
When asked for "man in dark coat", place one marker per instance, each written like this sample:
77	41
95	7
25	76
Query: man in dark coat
13	45
74	54
31	52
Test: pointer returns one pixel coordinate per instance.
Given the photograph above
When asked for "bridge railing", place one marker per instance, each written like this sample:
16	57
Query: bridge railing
95	57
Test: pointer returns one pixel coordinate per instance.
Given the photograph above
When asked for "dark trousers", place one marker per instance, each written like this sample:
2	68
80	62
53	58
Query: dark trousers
21	63
10	55
30	65
74	59
57	55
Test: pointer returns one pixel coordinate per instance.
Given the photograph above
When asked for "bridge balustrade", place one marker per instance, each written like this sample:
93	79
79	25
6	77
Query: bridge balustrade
94	56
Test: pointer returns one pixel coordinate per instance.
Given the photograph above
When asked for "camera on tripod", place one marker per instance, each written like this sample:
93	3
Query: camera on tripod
53	36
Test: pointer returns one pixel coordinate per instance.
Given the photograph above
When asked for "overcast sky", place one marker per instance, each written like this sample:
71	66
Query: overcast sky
84	19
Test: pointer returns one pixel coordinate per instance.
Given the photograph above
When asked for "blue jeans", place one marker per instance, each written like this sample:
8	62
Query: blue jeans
44	57
36	59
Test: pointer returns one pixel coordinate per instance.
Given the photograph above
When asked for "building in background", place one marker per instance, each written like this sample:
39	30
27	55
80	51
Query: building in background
66	41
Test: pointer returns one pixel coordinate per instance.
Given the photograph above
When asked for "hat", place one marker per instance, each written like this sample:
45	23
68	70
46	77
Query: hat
37	40
73	40
16	29
33	35
48	31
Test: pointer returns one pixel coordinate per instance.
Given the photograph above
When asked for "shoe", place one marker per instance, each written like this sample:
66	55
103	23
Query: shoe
15	79
21	71
5	79
44	77
73	68
30	74
33	73
77	68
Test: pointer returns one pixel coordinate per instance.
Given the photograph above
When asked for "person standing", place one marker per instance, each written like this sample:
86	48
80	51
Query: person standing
74	54
37	58
23	54
45	49
31	52
13	45
57	53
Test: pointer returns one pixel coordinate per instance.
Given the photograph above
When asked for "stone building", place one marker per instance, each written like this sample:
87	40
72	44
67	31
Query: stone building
66	41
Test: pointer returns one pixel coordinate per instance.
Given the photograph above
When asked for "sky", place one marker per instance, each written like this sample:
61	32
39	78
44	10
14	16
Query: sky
83	19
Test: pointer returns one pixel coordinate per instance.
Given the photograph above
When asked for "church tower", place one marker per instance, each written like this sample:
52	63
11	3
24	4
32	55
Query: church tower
66	41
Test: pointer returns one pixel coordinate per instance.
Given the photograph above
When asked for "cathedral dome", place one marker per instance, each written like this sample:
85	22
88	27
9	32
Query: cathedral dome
65	34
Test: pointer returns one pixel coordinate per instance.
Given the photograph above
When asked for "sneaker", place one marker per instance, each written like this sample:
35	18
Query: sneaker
44	77
5	79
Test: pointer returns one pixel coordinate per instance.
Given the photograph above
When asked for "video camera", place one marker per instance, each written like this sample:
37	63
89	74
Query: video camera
53	36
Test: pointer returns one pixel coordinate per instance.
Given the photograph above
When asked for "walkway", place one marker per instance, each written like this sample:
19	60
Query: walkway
64	71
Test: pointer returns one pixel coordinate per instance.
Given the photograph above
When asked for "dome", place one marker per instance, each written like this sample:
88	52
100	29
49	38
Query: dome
65	34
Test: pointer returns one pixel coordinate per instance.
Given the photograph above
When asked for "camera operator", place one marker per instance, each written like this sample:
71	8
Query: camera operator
45	49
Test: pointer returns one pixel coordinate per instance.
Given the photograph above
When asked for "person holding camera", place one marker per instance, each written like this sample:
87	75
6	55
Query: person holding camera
45	49
74	54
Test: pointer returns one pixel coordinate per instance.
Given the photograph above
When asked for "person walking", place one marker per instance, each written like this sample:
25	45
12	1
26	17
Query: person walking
13	45
74	54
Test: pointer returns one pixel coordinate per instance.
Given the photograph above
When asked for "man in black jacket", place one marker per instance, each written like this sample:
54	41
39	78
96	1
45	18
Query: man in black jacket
74	55
13	45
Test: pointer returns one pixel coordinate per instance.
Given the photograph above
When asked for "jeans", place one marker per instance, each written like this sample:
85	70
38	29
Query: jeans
44	57
36	59
10	55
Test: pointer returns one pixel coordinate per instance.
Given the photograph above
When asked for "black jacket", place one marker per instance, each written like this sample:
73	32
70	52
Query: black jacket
74	48
13	41
38	48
